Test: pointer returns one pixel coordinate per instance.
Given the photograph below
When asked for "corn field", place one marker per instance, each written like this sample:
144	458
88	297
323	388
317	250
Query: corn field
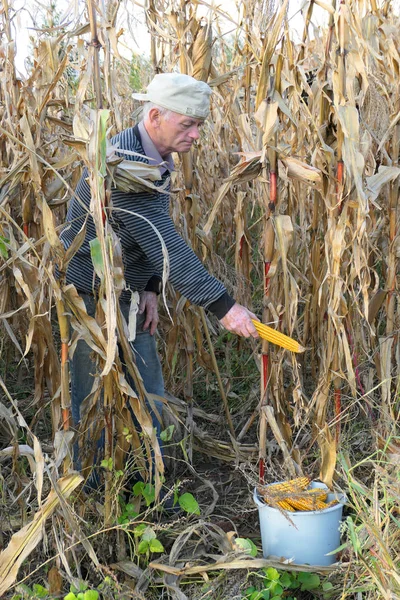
290	198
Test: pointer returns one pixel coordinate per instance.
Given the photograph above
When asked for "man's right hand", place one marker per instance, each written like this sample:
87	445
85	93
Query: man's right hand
238	320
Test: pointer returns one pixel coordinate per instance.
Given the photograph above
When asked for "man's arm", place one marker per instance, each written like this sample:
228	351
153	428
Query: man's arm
187	273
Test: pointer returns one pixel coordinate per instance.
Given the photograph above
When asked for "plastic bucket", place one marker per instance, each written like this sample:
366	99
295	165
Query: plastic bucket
315	535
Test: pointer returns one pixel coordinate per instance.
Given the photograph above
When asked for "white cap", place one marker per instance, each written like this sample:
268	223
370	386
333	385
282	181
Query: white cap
180	93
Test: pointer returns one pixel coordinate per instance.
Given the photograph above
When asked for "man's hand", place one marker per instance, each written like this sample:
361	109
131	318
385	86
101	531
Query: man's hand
238	320
148	305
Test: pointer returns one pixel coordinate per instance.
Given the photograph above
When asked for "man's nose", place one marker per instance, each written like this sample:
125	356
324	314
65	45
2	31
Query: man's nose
194	132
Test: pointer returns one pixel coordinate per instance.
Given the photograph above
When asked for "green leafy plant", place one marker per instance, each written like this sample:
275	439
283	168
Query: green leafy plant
128	513
87	595
280	584
82	593
4	247
148	541
35	592
167	434
146	490
108	465
189	504
186	501
247	546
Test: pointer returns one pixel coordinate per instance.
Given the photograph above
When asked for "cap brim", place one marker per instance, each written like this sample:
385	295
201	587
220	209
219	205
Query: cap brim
142	97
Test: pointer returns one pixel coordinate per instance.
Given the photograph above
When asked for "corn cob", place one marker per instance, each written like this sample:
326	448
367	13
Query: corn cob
293	485
285	505
276	337
306	504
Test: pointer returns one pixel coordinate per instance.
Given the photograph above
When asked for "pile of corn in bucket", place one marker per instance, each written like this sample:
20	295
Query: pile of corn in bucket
300	521
296	495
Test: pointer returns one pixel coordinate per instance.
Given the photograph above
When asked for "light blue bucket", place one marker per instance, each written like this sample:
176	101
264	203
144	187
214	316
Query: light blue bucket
316	533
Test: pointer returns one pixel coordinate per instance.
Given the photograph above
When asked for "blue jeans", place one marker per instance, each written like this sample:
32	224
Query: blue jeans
84	369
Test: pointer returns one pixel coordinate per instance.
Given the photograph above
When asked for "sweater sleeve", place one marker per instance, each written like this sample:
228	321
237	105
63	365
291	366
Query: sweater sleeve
186	272
154	284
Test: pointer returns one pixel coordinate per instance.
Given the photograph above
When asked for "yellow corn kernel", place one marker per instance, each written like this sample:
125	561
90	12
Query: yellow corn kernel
293	485
306	504
285	505
301	503
276	337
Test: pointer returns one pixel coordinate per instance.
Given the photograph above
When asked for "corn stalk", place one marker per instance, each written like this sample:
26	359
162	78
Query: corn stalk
341	69
269	237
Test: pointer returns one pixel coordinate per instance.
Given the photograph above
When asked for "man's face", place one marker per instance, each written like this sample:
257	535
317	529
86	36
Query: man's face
178	132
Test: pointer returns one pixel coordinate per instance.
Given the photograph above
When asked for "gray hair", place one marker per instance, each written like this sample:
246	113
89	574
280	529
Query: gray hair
147	106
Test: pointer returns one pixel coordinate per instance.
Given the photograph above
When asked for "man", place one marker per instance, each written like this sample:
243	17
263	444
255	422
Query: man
175	108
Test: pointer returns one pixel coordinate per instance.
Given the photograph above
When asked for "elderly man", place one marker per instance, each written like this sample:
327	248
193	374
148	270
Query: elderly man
175	108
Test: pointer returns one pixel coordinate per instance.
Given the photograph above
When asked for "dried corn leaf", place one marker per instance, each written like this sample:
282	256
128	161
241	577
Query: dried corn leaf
133	176
10	332
74	247
22	450
267	119
327	446
284	231
328	7
201	53
381	178
39	460
35	168
25	541
297	169
97	149
246	170
86	326
57	76
352	157
256	563
270	47
50	230
386	346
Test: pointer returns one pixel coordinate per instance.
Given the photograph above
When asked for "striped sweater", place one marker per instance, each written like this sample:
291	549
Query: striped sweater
142	252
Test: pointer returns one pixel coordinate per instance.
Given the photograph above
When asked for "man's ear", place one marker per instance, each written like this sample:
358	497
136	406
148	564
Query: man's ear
154	116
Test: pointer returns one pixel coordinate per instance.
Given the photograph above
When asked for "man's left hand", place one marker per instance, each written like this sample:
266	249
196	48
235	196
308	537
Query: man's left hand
148	305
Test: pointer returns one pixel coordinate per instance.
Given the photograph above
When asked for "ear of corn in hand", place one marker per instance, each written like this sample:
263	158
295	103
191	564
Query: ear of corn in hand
293	495
276	337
